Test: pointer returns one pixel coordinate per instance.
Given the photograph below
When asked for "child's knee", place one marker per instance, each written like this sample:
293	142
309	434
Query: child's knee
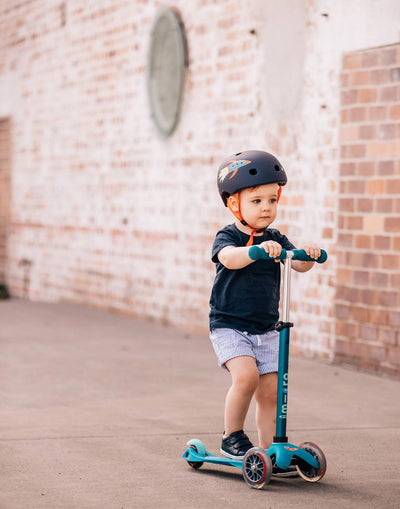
247	382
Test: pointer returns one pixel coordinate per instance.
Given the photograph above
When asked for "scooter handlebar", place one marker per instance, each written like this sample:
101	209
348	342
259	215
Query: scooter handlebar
258	253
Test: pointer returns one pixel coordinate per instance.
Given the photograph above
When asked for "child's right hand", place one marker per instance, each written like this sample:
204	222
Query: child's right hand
272	248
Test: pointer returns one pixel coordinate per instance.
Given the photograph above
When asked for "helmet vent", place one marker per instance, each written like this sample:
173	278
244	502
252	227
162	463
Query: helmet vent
253	171
277	168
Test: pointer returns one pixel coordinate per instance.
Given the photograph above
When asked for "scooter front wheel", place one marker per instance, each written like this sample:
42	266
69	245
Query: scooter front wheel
257	468
198	446
307	472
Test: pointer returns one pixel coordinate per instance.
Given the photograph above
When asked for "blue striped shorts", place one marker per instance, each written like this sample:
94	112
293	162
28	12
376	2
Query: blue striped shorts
264	348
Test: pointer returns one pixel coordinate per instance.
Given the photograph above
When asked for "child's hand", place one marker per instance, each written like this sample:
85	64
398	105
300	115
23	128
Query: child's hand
312	250
272	248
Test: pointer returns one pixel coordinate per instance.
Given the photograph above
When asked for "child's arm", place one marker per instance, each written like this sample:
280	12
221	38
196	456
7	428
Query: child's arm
238	257
312	250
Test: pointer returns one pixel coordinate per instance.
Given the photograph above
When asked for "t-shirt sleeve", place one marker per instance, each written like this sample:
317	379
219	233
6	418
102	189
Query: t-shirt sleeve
285	242
223	238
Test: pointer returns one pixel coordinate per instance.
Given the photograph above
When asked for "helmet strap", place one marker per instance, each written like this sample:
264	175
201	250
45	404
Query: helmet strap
239	216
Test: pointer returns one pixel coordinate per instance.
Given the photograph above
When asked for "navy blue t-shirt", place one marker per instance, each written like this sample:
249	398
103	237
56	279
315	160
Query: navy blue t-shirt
246	299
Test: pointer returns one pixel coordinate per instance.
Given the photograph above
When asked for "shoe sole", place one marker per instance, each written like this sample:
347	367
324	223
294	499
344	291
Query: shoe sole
231	456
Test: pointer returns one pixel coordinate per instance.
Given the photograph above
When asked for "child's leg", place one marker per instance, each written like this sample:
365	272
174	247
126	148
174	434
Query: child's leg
245	379
265	397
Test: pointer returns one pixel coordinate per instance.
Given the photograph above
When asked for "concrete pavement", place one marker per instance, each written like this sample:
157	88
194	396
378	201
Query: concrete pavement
96	410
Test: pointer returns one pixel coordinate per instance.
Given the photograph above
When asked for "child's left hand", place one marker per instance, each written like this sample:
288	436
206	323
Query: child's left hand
312	250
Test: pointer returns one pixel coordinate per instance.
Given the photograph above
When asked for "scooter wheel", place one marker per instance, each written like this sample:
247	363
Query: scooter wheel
307	472
195	464
198	446
257	468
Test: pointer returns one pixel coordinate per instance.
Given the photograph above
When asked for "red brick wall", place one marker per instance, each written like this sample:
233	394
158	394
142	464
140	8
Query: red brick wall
5	189
368	273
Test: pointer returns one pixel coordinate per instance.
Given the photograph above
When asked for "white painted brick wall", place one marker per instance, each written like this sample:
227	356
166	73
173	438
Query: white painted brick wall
110	214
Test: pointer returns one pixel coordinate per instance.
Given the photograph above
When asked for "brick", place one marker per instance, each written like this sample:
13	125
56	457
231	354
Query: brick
349	133
377	353
367	132
392	224
388	336
396	243
365	205
381	242
370	58
346	204
354	223
392	186
342	312
355	151
367	95
395	74
384	205
375	186
363	241
349	97
379	279
356	186
370	298
390	262
379	76
361	277
387	131
386	167
359	78
347	169
394	112
373	224
394	356
365	168
352	61
358	114
344	276
345	240
379	113
369	332
388	56
388	94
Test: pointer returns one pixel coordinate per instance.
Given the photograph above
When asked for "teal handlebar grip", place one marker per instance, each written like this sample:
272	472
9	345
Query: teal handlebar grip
258	253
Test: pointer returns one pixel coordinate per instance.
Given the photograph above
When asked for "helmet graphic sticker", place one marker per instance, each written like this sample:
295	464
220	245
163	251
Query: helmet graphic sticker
231	169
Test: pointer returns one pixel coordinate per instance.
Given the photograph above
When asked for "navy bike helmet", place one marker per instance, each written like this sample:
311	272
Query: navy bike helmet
250	168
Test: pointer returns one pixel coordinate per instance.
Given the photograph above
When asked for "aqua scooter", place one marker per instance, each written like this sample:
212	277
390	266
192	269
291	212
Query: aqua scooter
257	464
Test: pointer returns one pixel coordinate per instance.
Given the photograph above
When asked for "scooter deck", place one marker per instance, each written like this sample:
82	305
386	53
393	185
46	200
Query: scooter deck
197	453
284	454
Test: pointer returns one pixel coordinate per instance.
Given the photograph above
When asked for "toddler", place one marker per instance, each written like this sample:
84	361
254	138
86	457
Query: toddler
245	296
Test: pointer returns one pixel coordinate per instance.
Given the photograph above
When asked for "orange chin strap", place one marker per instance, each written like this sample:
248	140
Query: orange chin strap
239	216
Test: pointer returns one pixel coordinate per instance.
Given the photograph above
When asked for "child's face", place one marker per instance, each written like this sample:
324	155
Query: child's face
258	205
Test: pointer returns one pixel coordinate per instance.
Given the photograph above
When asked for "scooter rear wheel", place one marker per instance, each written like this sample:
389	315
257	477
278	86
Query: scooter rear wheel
257	468
307	472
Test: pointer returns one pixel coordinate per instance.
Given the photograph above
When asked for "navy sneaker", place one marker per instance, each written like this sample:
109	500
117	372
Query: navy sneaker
236	445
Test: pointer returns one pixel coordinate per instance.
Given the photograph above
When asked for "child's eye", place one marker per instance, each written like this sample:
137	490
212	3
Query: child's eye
272	200
256	201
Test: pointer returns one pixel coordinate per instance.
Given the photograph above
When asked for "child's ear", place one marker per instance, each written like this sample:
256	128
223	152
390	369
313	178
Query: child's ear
233	203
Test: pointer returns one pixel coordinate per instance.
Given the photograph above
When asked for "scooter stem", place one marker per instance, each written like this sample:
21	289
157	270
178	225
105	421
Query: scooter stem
286	286
283	369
